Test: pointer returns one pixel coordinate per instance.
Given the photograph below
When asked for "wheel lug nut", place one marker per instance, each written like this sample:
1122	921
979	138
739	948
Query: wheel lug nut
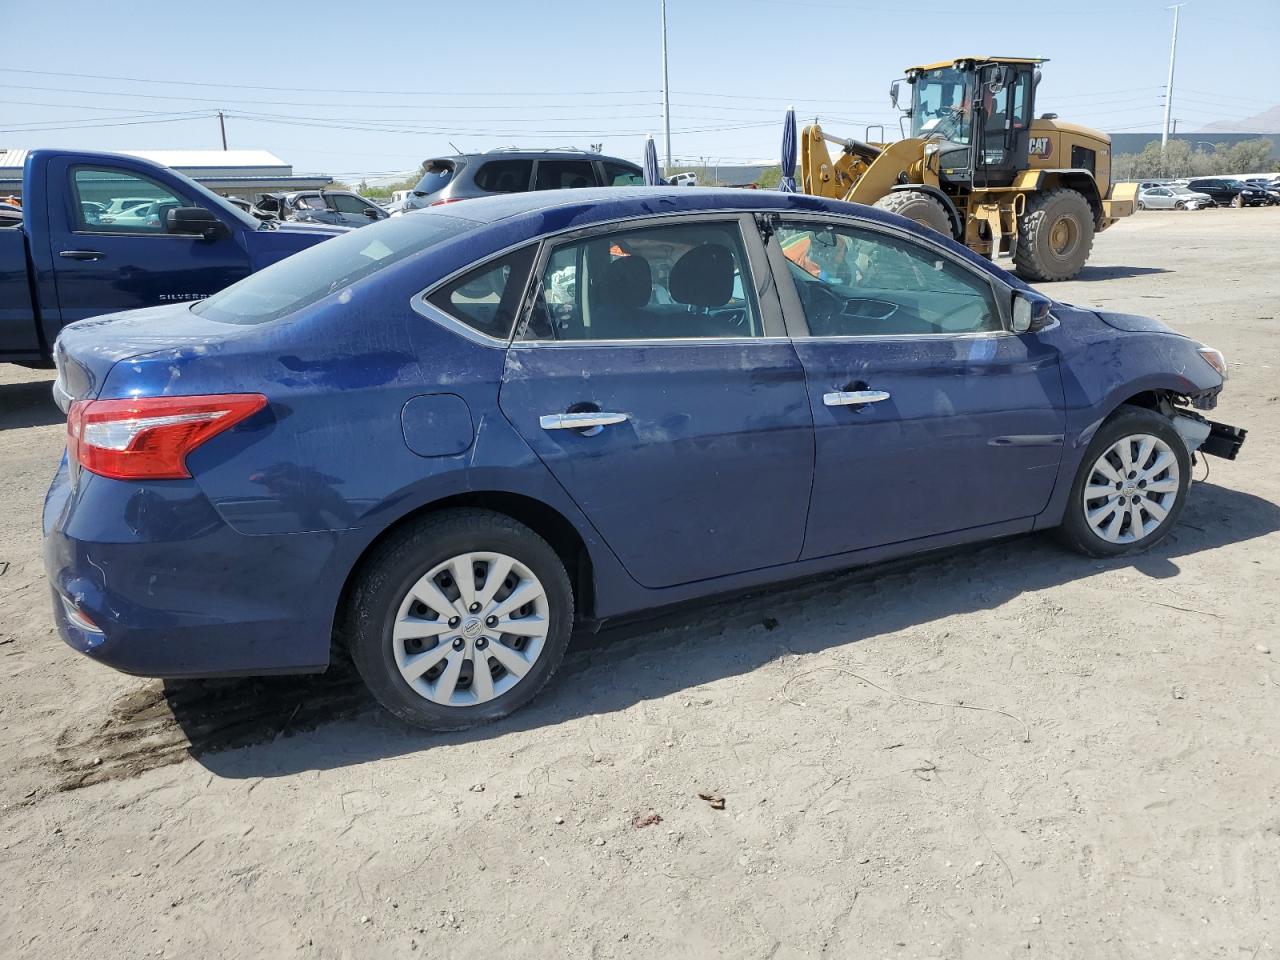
454	621
1122	499
458	643
491	622
482	643
474	608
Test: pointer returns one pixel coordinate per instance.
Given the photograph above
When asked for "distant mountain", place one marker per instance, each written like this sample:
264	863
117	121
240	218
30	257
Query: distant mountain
1268	121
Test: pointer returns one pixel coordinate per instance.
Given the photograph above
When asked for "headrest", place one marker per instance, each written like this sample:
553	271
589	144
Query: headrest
625	282
703	277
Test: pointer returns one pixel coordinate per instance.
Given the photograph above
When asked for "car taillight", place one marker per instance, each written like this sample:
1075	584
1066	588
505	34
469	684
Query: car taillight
148	438
437	203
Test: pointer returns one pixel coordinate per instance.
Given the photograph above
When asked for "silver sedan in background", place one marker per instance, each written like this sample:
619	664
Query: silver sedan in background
1173	198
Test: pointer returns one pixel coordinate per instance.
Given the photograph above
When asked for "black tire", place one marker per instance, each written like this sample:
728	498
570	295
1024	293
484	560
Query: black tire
1180	205
1075	531
1043	253
1141	205
409	554
918	206
1237	201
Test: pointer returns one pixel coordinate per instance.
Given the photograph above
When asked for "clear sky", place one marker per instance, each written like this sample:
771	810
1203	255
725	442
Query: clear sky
348	88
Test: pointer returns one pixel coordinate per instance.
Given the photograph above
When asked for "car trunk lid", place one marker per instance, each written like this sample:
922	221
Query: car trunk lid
86	351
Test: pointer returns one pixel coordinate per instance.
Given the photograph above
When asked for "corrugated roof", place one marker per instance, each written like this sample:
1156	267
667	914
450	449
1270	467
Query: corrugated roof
181	159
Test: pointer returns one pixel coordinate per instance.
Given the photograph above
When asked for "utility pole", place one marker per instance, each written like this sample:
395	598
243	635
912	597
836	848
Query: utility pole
666	93
222	125
1168	91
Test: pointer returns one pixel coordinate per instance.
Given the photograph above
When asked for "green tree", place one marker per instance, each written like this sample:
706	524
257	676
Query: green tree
770	177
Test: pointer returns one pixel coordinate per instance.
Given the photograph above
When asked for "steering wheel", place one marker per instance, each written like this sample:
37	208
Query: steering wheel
823	304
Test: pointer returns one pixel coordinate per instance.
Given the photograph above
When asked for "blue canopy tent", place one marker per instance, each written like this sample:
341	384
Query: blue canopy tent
788	182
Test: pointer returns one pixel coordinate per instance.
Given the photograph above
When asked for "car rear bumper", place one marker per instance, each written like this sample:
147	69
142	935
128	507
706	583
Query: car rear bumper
173	591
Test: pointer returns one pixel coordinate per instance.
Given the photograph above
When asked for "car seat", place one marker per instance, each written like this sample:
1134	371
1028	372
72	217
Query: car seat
619	294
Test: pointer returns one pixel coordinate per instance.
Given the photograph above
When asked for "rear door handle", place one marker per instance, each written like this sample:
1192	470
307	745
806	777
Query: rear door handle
592	420
82	254
850	398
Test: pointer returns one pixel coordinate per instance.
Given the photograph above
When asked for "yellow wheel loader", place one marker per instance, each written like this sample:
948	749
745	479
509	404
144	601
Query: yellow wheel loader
981	167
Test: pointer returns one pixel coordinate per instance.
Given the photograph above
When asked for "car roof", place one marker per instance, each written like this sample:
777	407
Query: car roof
531	155
596	204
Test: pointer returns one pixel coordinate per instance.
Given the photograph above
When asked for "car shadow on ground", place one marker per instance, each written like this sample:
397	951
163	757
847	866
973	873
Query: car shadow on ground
1116	272
290	724
28	404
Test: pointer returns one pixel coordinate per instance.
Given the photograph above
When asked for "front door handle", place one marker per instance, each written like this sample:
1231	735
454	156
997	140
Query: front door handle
589	421
82	254
851	398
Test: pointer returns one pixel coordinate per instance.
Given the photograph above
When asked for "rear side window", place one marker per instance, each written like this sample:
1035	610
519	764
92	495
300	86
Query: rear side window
307	277
565	175
486	299
505	176
436	175
622	175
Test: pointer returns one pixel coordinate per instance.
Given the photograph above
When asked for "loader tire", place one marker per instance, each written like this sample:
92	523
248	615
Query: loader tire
1055	235
918	206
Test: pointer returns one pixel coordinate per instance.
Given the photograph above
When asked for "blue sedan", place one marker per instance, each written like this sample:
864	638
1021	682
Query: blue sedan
445	439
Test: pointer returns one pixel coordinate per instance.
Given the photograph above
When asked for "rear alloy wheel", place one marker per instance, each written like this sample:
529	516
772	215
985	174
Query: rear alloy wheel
1055	235
1141	205
460	619
1131	486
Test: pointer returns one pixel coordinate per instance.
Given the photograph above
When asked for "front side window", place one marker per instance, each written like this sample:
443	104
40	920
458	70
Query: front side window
622	175
345	203
942	105
505	176
120	201
486	299
861	283
565	175
679	281
311	201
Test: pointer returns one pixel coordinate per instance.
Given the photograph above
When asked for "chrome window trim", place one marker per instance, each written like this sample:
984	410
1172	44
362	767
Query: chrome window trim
545	241
420	304
651	342
996	285
739	218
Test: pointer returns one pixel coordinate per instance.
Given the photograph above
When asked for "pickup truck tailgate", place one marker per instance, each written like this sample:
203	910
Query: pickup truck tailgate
17	312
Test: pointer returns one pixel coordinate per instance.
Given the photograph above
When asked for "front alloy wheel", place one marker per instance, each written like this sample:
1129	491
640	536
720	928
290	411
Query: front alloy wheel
1131	485
1131	489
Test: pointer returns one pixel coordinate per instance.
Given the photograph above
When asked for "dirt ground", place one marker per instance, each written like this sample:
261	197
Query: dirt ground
1008	751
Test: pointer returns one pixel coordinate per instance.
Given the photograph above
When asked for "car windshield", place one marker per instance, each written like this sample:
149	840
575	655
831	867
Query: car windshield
307	277
437	176
940	105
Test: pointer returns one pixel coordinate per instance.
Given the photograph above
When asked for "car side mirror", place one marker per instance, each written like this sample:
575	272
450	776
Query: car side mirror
195	221
1030	311
373	214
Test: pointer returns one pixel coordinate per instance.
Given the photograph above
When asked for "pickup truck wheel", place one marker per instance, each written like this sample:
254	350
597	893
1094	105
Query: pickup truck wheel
1130	488
459	619
918	206
1055	235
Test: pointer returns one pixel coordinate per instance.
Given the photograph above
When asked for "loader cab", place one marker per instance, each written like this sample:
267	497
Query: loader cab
975	115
